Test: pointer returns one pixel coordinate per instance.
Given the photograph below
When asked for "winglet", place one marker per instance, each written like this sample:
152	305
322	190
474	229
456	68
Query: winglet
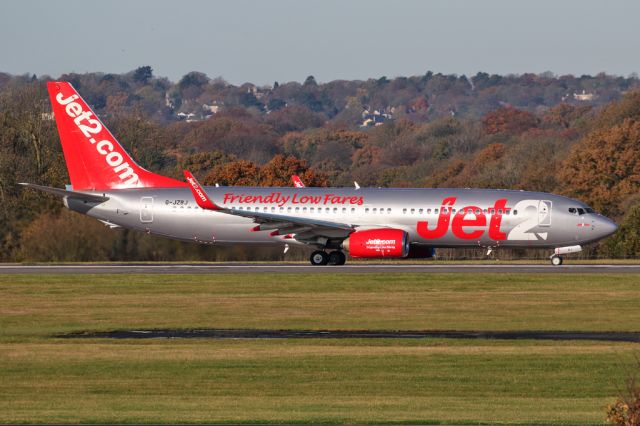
297	182
199	194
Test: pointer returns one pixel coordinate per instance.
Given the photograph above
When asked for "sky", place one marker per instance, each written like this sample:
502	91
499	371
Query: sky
287	40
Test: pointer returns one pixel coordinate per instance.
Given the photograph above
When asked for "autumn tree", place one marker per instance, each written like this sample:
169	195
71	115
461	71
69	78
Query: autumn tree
603	169
234	173
279	170
202	163
276	172
565	115
508	120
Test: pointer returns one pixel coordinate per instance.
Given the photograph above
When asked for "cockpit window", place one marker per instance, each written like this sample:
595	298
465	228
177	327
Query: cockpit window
580	210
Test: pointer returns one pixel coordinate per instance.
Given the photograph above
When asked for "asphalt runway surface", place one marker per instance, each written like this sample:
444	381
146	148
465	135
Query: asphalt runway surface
235	268
355	334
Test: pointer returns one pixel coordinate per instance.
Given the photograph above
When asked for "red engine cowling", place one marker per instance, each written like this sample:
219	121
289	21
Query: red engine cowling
374	243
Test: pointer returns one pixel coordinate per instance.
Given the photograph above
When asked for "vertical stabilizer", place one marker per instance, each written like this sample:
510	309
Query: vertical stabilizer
95	160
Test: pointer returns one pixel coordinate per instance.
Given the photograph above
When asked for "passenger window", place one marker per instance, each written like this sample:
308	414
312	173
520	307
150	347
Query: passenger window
500	211
304	209
344	210
273	209
353	210
281	209
366	210
389	210
413	211
404	211
335	210
311	210
572	210
289	209
435	211
297	209
580	211
375	210
428	211
515	212
420	211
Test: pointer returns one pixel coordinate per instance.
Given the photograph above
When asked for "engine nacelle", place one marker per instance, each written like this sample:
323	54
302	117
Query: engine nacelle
373	243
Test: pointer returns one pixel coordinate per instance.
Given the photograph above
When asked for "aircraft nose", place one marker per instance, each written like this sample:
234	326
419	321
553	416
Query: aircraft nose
605	226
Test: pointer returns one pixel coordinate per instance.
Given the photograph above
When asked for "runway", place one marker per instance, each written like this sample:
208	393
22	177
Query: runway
297	268
354	334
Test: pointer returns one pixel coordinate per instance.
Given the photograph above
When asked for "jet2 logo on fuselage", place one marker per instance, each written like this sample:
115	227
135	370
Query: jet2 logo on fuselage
471	222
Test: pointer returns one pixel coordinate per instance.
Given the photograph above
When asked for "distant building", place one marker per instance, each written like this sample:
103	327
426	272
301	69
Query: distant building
377	117
188	117
584	96
213	109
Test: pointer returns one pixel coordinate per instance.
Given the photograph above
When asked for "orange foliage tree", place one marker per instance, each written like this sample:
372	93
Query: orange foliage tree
603	169
508	120
279	170
276	172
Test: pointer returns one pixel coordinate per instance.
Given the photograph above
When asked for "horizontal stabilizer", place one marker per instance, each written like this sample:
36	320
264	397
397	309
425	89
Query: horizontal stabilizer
91	198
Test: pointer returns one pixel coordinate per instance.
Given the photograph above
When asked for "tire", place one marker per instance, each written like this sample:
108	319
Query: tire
319	257
556	260
337	258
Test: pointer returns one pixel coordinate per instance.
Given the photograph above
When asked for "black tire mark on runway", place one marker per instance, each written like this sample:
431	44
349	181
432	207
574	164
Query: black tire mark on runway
354	334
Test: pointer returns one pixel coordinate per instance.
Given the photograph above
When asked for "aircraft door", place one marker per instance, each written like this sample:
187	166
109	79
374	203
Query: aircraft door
146	209
544	213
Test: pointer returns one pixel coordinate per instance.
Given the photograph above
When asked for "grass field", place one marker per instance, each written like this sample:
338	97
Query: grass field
48	379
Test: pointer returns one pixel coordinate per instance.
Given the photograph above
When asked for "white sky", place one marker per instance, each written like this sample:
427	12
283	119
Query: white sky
287	40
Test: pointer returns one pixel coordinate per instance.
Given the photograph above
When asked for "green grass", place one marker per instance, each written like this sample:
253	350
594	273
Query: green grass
46	379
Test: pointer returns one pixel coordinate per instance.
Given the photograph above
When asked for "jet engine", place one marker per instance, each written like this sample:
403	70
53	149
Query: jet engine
373	243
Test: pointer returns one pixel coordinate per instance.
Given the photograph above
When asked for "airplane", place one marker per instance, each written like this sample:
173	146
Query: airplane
108	185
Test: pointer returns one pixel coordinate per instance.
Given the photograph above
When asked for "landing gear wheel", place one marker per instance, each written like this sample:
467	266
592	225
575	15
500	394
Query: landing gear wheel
319	257
337	258
556	260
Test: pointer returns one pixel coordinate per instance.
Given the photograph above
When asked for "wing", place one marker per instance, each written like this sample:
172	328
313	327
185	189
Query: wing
306	230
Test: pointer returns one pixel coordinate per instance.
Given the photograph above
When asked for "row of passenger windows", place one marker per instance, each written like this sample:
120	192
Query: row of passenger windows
372	210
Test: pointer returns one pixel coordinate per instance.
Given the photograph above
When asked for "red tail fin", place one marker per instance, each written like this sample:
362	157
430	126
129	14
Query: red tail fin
95	160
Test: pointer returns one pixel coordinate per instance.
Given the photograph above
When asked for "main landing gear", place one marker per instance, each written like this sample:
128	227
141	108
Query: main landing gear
320	257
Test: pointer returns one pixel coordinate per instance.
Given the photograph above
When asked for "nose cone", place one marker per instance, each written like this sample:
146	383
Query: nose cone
605	227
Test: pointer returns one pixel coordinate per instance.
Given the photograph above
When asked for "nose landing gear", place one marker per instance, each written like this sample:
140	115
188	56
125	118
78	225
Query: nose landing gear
556	260
320	257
